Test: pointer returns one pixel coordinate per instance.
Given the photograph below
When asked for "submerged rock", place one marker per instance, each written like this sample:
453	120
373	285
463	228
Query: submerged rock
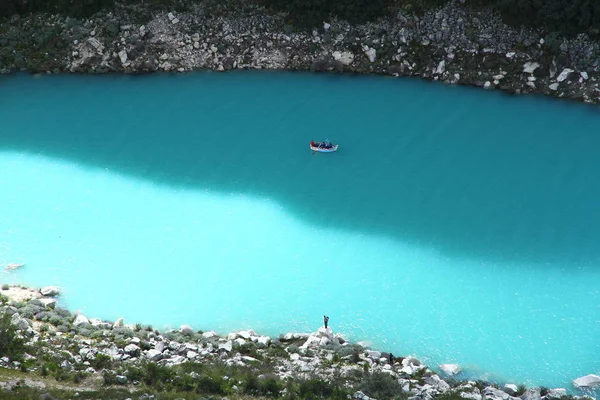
587	382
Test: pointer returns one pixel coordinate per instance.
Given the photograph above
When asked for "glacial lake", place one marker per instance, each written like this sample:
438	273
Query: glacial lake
454	224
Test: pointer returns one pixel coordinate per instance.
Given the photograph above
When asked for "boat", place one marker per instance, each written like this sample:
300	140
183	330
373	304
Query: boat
323	147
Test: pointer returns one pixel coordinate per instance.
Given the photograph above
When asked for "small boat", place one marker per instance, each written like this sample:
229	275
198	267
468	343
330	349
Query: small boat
323	147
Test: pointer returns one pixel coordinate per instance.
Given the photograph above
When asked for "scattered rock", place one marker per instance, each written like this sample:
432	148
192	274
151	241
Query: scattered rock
50	291
81	319
587	382
530	67
344	57
450	369
123	56
511	389
564	74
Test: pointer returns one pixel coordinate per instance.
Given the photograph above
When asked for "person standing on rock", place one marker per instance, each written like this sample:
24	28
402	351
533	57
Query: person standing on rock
325	320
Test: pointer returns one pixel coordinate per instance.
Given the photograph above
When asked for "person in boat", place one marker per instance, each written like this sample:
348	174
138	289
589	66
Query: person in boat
312	143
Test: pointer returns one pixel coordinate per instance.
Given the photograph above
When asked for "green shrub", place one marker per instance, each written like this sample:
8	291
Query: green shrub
101	361
309	13
277	351
5	287
11	345
381	386
110	378
154	373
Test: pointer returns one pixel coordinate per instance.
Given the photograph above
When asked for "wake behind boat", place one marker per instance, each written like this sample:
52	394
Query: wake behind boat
323	147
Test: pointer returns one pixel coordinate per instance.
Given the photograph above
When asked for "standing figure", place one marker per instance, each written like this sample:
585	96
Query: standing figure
326	320
391	359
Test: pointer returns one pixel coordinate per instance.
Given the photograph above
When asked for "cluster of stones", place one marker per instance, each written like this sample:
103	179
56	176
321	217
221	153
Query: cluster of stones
451	44
320	353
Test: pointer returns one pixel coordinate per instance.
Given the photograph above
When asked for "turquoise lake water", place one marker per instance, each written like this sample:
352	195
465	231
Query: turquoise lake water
455	224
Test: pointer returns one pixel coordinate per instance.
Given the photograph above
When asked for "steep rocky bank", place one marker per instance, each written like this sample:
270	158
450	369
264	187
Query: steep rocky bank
72	346
452	44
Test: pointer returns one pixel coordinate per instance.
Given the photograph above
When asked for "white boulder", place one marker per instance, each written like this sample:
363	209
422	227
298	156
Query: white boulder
529	67
48	303
450	369
371	53
80	319
410	360
131	349
265	340
227	346
556	393
511	388
344	57
50	291
186	329
123	56
564	74
247	334
209	334
153	355
118	323
312	342
553	86
441	68
191	354
587	382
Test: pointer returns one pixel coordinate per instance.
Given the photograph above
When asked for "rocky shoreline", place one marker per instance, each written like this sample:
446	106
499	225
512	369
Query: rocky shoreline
72	346
452	44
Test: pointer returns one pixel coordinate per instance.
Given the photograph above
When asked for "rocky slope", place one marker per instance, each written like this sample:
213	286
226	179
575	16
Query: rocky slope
72	346
452	44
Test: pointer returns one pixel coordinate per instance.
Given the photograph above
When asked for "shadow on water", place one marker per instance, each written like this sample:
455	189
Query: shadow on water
471	174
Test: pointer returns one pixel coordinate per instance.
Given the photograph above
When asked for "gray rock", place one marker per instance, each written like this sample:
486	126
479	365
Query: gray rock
227	346
186	329
530	67
343	57
556	393
20	323
132	349
118	323
48	303
81	319
450	369
531	394
587	382
370	53
153	355
121	379
564	75
123	56
50	291
510	388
